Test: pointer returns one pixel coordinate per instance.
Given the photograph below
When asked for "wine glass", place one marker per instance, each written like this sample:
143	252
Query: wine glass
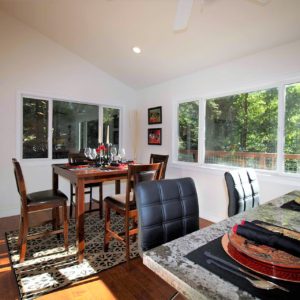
122	154
113	151
93	154
87	152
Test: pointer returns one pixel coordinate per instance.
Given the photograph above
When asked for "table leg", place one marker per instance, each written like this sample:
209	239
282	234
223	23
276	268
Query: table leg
101	200
56	220
55	211
80	219
118	187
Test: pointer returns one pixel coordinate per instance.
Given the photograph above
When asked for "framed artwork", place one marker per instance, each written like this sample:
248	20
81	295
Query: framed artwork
154	115
154	136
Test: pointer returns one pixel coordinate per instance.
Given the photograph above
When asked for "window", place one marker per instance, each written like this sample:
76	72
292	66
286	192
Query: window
241	130
35	128
188	125
111	126
258	129
74	126
292	129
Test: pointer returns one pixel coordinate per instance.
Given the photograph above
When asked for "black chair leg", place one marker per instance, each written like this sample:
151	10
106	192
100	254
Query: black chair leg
101	200
174	296
91	198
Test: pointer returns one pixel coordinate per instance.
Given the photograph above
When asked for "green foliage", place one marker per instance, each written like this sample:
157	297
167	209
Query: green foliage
35	128
292	127
188	117
109	114
245	122
292	119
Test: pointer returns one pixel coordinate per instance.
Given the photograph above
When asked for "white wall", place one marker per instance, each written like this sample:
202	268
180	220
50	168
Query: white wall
259	70
30	62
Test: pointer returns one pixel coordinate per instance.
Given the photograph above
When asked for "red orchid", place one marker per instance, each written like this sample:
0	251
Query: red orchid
100	147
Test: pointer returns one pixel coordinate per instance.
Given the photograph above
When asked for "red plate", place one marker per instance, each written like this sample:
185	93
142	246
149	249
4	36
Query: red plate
264	253
271	270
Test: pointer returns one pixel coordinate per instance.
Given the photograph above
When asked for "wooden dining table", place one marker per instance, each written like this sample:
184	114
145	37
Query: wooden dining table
80	176
172	263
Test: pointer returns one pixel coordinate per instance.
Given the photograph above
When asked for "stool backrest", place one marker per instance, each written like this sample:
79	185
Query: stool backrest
141	173
77	159
20	182
157	158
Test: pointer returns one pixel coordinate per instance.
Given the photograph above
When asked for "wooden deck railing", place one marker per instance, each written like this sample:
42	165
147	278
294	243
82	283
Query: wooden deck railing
242	159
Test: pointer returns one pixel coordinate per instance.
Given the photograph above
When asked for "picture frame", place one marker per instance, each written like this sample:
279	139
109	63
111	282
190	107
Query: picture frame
155	115
154	136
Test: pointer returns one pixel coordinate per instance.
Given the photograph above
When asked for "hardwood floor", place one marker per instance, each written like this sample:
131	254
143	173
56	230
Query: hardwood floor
116	283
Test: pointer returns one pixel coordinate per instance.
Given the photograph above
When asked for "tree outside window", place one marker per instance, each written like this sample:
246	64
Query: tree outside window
188	126
241	130
292	129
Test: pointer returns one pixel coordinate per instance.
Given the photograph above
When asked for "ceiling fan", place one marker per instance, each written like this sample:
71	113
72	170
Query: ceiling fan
184	10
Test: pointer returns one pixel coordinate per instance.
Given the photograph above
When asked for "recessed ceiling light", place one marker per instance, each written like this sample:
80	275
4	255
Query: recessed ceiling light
136	50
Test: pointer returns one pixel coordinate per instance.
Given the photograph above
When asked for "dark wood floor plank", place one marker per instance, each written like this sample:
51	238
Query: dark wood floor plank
116	283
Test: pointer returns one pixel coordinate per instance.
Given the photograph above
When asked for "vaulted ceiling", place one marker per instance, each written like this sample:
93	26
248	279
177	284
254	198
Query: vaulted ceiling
103	32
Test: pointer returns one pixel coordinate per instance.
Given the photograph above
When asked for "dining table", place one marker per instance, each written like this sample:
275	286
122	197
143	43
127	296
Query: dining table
181	262
81	176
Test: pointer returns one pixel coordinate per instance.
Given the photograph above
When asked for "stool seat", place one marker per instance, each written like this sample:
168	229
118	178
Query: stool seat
47	196
119	200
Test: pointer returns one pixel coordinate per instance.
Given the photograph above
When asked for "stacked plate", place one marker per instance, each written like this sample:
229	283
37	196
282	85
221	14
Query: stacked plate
263	259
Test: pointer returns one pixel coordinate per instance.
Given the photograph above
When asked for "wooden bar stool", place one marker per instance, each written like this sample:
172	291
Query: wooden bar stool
159	158
125	205
80	159
38	201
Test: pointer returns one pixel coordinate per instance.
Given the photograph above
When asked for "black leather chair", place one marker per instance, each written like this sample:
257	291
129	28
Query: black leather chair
167	209
243	190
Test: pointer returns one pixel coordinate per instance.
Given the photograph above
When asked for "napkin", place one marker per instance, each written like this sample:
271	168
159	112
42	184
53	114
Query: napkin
293	205
267	237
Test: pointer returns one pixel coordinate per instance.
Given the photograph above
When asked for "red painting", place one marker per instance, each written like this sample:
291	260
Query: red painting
154	136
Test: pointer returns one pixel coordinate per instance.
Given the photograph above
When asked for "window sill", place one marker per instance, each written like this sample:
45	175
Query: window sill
219	170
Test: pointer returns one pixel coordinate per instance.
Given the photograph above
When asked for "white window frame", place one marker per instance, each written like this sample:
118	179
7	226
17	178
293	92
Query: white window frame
280	85
50	99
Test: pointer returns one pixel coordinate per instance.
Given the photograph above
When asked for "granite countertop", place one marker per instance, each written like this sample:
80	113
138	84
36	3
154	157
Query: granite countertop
195	282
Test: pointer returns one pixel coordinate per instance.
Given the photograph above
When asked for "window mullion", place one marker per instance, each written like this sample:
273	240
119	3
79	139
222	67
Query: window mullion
50	128
201	132
280	131
175	131
101	128
19	127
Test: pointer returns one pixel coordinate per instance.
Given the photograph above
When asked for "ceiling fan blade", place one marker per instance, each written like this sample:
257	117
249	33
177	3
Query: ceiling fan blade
183	13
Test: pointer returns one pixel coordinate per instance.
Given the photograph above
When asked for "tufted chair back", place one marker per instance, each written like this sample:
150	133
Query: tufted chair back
167	209
243	190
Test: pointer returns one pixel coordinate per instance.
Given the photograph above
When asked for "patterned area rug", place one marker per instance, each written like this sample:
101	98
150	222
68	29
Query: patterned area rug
48	267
